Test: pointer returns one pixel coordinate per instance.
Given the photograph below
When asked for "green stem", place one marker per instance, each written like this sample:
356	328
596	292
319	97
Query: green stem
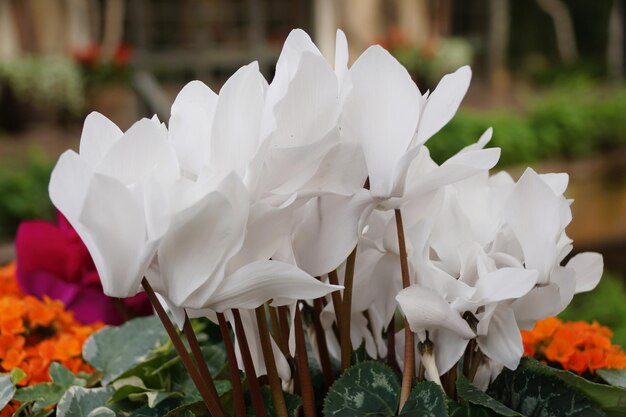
270	363
346	311
212	403
409	338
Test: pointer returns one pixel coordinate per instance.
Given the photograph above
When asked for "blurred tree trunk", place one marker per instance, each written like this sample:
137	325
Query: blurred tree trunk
113	27
413	20
325	24
563	28
49	26
615	49
498	42
9	42
363	23
78	30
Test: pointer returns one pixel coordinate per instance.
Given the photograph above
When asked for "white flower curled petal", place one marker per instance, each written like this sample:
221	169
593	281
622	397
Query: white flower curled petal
137	154
190	125
68	185
329	230
261	281
426	310
381	112
588	267
201	239
502	342
443	103
537	217
99	134
234	143
113	222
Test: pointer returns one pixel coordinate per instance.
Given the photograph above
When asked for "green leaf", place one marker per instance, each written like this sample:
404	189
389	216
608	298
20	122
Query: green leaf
468	392
468	410
81	402
293	403
41	395
101	412
611	399
7	390
133	389
366	389
614	377
427	399
534	389
195	409
114	350
17	375
63	377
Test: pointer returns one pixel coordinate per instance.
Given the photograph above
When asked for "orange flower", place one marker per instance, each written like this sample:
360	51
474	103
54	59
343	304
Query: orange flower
34	333
559	350
577	346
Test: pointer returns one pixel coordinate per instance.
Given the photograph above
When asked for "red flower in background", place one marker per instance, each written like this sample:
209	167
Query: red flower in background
53	261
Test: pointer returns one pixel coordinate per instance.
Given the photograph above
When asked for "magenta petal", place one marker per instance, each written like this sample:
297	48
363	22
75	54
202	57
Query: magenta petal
139	305
44	283
91	305
41	246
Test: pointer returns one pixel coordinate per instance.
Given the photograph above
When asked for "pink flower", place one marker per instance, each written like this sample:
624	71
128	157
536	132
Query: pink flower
52	260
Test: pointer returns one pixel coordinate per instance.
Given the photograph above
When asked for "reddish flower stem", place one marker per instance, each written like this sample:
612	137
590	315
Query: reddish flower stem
212	403
346	310
201	365
322	347
278	397
253	382
235	379
304	374
409	341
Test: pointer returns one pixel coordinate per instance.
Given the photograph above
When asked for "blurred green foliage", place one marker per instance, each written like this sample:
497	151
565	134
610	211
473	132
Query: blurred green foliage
604	304
568	123
24	191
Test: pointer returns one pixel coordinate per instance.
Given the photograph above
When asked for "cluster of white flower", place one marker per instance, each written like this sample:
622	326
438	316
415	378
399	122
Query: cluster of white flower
256	194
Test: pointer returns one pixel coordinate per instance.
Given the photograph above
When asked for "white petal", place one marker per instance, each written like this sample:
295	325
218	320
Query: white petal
484	139
381	113
135	155
537	217
114	220
190	125
266	230
505	284
99	134
426	310
68	184
461	166
557	181
443	103
193	253
259	282
449	348
341	55
503	342
328	231
588	267
309	108
236	127
250	327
